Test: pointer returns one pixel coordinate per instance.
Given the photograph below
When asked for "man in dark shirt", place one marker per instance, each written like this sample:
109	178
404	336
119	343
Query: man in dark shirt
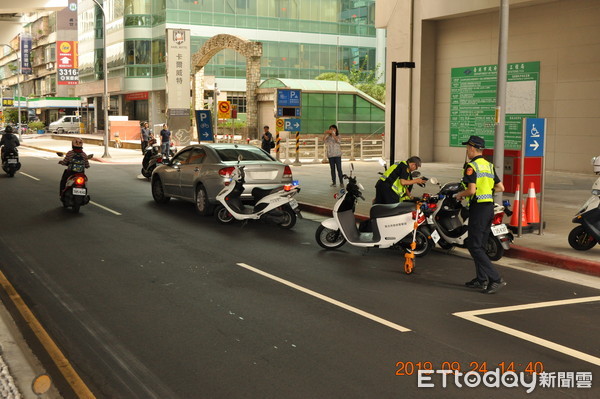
267	140
9	141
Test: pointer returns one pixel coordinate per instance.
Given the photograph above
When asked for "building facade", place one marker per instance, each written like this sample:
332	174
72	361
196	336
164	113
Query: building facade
561	37
342	36
41	97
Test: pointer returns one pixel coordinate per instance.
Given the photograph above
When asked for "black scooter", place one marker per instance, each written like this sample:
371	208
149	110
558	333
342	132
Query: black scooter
587	234
152	158
10	163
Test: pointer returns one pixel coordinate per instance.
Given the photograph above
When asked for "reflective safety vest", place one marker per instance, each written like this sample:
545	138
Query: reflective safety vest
397	186
484	171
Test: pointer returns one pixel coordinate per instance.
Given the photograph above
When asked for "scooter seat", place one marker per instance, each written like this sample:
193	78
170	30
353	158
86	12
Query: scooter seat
384	210
259	193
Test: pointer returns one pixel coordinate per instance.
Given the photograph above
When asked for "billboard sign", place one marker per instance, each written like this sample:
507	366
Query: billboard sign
67	66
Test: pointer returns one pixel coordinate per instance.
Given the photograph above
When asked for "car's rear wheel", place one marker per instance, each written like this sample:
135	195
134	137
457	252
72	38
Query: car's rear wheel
158	192
202	205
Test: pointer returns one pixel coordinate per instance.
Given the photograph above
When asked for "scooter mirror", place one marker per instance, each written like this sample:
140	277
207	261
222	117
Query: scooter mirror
360	186
382	162
240	158
433	180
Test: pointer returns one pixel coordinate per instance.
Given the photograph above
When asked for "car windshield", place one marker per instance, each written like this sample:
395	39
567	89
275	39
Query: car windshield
248	154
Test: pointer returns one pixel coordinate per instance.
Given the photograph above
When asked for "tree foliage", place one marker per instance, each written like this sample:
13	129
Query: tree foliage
362	78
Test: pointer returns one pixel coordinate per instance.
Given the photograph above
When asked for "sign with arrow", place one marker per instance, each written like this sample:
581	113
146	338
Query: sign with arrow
203	125
535	137
292	125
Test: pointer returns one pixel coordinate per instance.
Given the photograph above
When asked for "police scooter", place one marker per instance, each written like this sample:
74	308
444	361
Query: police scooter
276	206
587	234
392	225
449	220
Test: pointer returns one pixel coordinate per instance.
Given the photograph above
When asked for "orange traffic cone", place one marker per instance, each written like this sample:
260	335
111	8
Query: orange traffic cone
514	220
533	213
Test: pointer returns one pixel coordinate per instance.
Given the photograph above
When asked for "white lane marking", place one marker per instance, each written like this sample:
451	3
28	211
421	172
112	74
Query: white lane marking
31	177
327	299
472	316
105	208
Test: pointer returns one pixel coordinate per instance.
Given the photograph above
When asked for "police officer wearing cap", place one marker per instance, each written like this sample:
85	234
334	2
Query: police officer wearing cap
479	182
396	183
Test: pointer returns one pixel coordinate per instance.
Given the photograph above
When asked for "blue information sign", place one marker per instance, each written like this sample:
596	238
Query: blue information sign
203	124
289	98
534	137
292	125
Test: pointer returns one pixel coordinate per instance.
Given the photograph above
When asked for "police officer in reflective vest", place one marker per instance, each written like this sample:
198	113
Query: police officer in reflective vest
479	182
396	183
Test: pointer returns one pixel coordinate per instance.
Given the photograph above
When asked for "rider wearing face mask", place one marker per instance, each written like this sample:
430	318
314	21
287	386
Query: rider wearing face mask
75	160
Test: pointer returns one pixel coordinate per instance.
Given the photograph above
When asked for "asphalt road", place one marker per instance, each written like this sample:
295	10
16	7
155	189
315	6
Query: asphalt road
158	302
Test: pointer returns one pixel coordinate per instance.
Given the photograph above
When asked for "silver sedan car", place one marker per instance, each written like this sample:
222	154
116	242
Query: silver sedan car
197	173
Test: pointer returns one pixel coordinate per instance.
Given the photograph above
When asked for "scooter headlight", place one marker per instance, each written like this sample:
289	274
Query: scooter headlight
595	192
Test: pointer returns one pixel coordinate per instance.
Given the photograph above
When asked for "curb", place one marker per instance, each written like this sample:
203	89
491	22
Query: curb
97	159
515	251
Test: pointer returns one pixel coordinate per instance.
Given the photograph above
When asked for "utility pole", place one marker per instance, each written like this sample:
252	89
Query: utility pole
106	98
501	97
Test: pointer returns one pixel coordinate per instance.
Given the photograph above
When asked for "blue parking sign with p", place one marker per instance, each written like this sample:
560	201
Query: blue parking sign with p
203	125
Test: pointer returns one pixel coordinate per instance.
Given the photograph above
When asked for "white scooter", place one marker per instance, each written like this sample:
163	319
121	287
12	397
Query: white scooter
393	225
271	205
587	234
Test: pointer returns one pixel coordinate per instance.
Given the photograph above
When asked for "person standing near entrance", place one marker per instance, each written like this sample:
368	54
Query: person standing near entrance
165	140
267	140
334	153
145	136
480	182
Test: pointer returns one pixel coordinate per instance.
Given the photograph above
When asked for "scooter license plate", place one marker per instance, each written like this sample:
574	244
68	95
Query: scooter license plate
499	229
435	236
293	203
11	160
79	191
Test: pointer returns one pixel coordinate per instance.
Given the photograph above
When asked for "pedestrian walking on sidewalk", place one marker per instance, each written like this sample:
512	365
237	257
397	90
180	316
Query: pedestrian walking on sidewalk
165	140
145	136
333	147
396	183
479	182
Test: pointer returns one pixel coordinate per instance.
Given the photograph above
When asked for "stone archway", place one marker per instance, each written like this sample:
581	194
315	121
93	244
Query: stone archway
252	51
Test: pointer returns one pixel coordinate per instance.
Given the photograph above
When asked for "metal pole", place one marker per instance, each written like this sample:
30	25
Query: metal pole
216	115
106	98
542	189
393	114
501	97
18	88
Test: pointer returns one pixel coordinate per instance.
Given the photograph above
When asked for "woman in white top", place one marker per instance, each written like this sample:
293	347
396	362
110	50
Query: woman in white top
334	153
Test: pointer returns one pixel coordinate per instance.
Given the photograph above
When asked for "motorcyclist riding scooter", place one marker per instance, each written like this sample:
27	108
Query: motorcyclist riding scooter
10	154
73	190
587	234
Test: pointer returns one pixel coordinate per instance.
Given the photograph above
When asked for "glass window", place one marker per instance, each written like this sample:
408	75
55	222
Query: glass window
181	157
248	154
197	156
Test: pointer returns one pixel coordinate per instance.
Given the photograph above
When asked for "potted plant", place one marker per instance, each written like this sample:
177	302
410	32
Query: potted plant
37	126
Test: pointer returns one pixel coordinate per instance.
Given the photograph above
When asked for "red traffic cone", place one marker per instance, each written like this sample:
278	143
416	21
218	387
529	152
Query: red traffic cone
533	212
514	220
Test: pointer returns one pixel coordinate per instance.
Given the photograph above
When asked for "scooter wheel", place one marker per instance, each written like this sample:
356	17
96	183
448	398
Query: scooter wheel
580	240
424	244
494	248
289	218
328	238
223	216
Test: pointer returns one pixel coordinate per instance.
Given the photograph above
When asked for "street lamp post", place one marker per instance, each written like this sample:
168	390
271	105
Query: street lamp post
18	88
106	99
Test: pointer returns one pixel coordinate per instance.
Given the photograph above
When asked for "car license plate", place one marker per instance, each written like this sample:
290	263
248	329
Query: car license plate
435	236
12	160
79	191
293	203
499	229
